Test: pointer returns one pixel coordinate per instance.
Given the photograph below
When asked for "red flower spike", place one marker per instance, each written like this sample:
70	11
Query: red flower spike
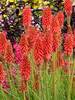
9	55
68	44
25	69
46	18
2	73
68	7
24	44
56	33
32	33
48	44
27	16
60	16
2	42
56	41
55	25
38	51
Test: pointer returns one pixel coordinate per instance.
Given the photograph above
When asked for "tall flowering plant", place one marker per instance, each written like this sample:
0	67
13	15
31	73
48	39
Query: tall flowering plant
68	44
46	18
27	16
68	7
38	65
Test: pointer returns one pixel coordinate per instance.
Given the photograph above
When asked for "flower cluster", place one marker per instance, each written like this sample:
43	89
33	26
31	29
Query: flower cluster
46	18
68	7
2	73
68	44
25	68
41	45
27	16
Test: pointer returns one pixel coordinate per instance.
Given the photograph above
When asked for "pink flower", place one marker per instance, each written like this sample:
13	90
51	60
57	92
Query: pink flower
18	53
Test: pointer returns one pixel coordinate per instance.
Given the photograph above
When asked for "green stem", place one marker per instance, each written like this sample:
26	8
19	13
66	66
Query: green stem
2	92
55	95
70	80
46	74
33	67
54	75
46	80
40	89
24	96
41	78
28	92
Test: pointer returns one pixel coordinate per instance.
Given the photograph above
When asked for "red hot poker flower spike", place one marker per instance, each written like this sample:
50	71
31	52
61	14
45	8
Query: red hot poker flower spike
48	44
24	44
2	73
68	7
60	16
55	25
68	44
56	33
9	55
27	16
46	18
32	33
25	69
2	43
38	51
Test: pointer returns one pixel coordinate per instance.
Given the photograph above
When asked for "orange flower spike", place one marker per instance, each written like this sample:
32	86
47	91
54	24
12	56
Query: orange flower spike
32	35
2	43
68	44
9	55
56	33
48	45
46	18
55	25
27	16
68	7
24	44
60	16
25	69
2	73
38	51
